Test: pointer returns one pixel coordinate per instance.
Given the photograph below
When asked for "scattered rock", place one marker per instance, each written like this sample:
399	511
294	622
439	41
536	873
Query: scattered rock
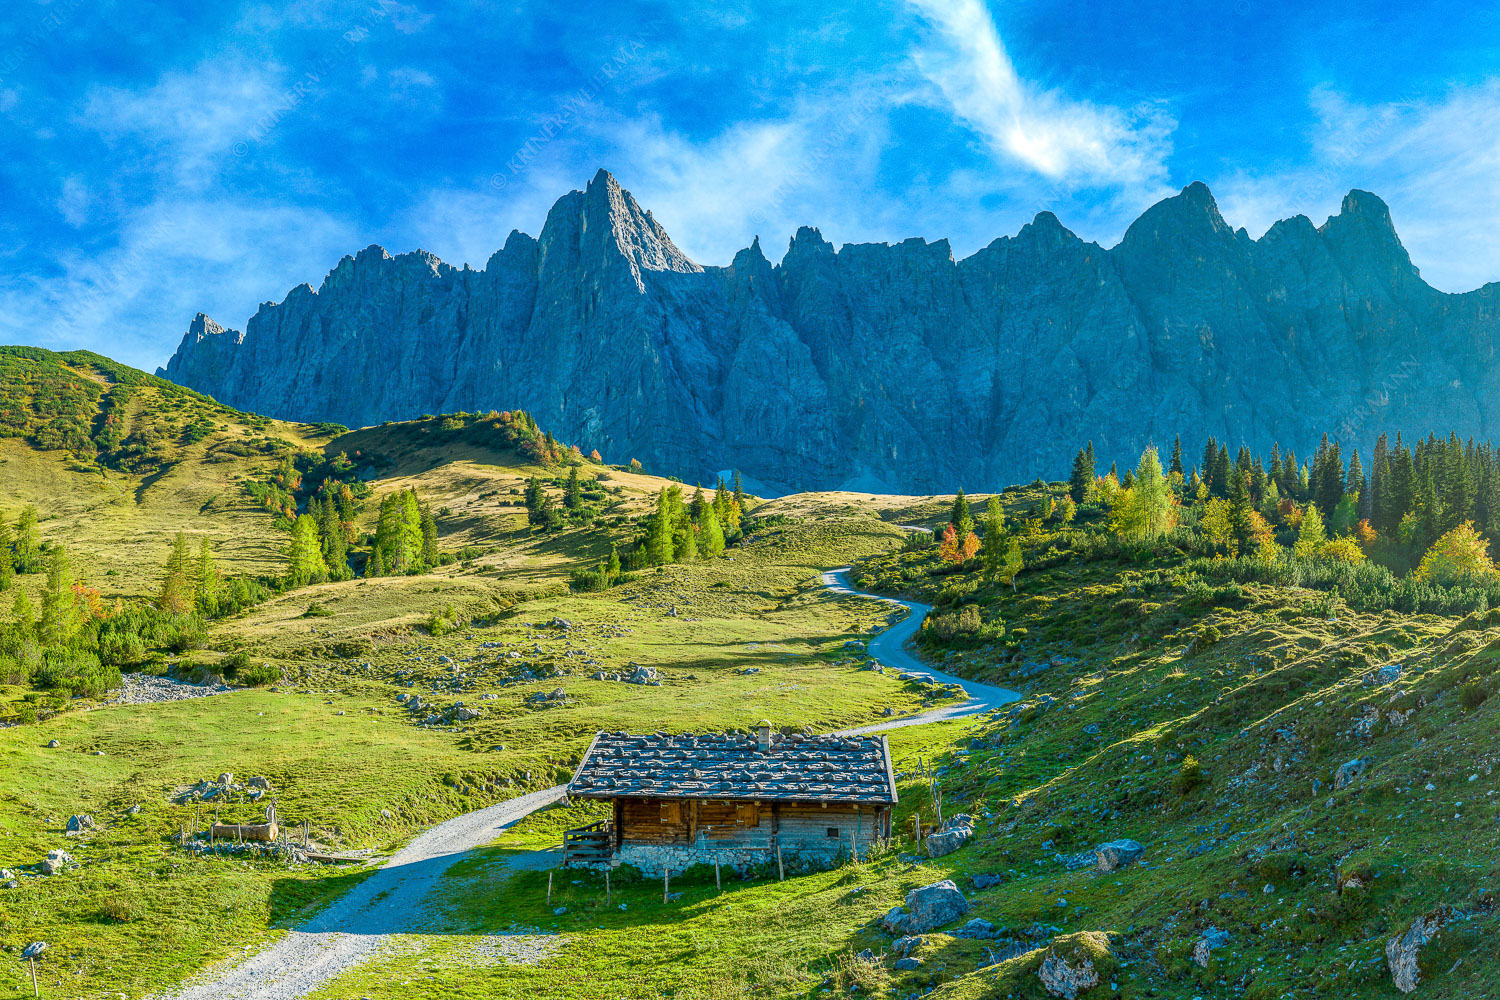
1211	939
1061	979
134	810
1385	675
80	824
976	928
1118	854
907	964
258	782
1349	771
1401	951
54	743
55	861
226	779
955	833
926	908
988	881
904	946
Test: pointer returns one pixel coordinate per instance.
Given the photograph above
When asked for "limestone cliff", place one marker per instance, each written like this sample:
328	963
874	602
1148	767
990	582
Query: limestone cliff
883	367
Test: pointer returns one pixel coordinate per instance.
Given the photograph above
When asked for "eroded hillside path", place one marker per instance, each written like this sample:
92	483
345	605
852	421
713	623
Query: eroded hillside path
355	926
889	647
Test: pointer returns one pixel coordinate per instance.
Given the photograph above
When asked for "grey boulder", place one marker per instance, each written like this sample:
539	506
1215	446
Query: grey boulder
1117	854
926	908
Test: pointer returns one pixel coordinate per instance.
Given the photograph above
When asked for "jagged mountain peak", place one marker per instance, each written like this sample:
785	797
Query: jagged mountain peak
854	365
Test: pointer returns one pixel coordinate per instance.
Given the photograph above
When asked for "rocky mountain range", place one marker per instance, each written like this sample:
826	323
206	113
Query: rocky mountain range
884	367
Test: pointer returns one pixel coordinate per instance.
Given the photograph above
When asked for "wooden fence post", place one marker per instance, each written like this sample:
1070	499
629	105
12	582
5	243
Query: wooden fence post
666	880
717	885
607	899
34	991
549	888
780	871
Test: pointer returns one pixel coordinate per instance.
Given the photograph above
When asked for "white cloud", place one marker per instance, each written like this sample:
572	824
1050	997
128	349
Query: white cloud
73	201
1068	141
173	258
1436	162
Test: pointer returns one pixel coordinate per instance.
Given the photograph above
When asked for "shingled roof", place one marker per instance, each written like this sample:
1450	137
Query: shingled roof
727	766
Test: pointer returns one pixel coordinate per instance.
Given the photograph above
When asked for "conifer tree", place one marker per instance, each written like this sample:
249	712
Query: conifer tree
7	558
28	542
304	555
572	495
699	505
1176	455
375	565
659	541
739	492
614	562
1310	535
962	520
430	536
207	584
995	540
1221	472
176	594
713	534
1210	459
60	620
1083	474
22	616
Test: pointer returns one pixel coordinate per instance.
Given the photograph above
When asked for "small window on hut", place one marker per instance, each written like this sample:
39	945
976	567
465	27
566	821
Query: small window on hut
747	813
833	832
671	812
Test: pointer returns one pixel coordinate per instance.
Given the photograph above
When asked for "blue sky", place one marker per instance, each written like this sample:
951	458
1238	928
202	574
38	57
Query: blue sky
158	159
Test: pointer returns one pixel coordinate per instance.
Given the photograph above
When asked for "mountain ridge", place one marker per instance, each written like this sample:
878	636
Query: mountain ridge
878	365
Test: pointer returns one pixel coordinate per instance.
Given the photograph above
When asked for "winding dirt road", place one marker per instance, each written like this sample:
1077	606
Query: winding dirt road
889	647
355	926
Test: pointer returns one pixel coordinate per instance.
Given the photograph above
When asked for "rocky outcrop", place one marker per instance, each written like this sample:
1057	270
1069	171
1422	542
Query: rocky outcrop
884	366
927	908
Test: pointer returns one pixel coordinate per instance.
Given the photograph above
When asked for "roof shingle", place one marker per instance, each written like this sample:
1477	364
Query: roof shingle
797	768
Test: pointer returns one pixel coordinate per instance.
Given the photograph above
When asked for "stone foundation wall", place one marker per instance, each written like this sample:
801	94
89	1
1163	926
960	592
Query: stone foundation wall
654	859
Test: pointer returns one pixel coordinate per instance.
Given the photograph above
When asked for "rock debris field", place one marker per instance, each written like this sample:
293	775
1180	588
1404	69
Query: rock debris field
144	689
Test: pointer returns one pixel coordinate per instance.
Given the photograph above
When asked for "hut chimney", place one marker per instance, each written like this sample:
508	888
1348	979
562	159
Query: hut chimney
763	735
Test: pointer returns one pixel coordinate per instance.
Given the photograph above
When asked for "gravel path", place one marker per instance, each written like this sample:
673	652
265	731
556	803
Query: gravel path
354	927
144	689
889	647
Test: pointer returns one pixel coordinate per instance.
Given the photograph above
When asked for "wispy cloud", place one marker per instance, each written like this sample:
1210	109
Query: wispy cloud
1435	161
1061	138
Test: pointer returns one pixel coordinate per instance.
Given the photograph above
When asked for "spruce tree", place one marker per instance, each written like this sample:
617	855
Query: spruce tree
1210	460
375	565
1176	455
739	491
572	495
1220	484
613	568
1083	474
699	505
963	521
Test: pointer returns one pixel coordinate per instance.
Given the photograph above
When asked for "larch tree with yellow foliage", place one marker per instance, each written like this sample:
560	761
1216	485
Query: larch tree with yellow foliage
1460	556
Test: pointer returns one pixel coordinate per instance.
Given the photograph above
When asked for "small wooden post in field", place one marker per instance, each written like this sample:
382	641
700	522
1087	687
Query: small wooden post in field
780	871
34	991
666	881
549	888
717	884
916	828
607	898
